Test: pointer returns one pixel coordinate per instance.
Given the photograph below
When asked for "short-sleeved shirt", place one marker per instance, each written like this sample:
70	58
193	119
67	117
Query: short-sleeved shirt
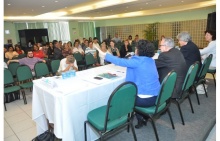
29	62
90	50
79	49
10	55
63	65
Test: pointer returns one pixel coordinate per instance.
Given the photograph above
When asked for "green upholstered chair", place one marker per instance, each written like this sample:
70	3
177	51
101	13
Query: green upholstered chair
201	76
188	82
24	77
55	66
12	67
212	71
9	85
90	60
162	103
117	114
41	70
79	59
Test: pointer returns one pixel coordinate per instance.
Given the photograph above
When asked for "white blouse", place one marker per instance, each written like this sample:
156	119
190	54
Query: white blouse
210	49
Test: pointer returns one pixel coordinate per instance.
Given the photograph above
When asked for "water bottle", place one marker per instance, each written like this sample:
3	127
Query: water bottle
72	73
64	75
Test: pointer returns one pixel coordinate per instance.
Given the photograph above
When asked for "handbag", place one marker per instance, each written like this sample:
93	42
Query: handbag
46	136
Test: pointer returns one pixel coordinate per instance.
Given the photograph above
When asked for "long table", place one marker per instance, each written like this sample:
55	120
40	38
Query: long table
67	103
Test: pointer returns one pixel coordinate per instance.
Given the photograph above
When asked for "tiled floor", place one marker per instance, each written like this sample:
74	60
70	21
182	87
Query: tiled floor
18	124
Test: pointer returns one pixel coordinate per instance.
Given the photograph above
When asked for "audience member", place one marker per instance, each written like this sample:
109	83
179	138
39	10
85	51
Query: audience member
57	50
130	40
30	60
50	51
85	45
210	36
11	53
77	48
95	42
126	48
170	59
116	38
101	56
189	50
38	53
70	45
141	70
66	64
113	50
66	50
136	40
18	49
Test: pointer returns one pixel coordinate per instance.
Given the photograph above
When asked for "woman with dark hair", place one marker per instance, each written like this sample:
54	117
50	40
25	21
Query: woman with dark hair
210	36
50	51
113	50
38	53
11	53
126	48
18	49
141	70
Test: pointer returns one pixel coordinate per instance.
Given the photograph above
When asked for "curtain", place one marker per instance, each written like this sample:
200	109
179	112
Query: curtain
87	29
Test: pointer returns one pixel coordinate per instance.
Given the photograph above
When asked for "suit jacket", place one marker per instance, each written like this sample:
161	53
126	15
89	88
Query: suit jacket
191	54
172	60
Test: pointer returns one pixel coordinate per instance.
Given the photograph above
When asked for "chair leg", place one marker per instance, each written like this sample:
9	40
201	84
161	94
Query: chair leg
171	119
213	74
181	115
5	107
85	133
24	97
197	96
190	102
205	89
133	132
155	130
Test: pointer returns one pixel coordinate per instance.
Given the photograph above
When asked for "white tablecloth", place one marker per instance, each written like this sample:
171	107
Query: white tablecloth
68	104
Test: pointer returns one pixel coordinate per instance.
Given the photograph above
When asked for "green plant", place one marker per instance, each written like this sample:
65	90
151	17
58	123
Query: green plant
150	33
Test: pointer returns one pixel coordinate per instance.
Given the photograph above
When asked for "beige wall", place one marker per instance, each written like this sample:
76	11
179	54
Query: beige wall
10	26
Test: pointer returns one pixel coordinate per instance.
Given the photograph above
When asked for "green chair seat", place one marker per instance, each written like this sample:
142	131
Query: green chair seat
211	70
97	119
11	89
26	85
150	110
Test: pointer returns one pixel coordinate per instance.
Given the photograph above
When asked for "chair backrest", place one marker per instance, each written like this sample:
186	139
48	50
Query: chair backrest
13	67
20	56
41	70
55	65
78	56
166	90
190	76
89	58
121	102
24	73
205	67
8	78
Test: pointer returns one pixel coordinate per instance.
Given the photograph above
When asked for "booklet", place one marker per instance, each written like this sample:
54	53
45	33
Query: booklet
108	75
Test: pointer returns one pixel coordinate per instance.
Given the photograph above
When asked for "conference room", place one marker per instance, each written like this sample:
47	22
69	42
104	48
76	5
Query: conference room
63	105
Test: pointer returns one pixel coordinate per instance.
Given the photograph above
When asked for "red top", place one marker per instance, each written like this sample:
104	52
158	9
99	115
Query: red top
38	54
19	51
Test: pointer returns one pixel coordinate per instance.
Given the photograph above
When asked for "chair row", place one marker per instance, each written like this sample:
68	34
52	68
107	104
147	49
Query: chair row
120	109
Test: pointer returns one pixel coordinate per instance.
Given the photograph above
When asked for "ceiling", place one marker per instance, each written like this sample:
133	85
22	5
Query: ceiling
94	9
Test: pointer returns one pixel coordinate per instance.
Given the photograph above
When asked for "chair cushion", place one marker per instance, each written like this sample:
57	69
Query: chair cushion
97	118
11	89
150	110
211	71
26	85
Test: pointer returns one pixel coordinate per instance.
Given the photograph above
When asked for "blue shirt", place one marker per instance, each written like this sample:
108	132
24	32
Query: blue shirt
141	70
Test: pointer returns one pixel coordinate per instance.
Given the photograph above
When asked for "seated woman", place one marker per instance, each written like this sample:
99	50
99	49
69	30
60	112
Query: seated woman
102	58
113	50
38	53
141	70
210	36
125	49
66	50
78	48
18	49
11	53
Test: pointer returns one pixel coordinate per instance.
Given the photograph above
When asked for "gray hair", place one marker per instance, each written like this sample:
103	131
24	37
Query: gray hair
184	36
169	42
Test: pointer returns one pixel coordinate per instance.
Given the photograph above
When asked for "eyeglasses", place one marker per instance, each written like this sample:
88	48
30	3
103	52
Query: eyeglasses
162	45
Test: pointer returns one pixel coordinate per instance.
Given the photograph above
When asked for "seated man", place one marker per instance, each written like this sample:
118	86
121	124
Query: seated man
30	61
169	59
66	64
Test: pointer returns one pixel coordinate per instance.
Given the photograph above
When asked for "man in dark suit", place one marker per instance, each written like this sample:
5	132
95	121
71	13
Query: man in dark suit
169	59
189	50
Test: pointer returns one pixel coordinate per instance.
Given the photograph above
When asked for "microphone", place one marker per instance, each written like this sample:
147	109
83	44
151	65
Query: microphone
129	54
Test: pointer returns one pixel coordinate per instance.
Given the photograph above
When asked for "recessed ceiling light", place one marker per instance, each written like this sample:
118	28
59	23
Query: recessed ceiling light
160	5
65	7
9	4
127	7
24	13
146	3
110	10
141	8
56	1
182	1
43	6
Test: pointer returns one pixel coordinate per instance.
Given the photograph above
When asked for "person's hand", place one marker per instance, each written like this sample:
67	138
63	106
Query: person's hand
8	62
43	61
